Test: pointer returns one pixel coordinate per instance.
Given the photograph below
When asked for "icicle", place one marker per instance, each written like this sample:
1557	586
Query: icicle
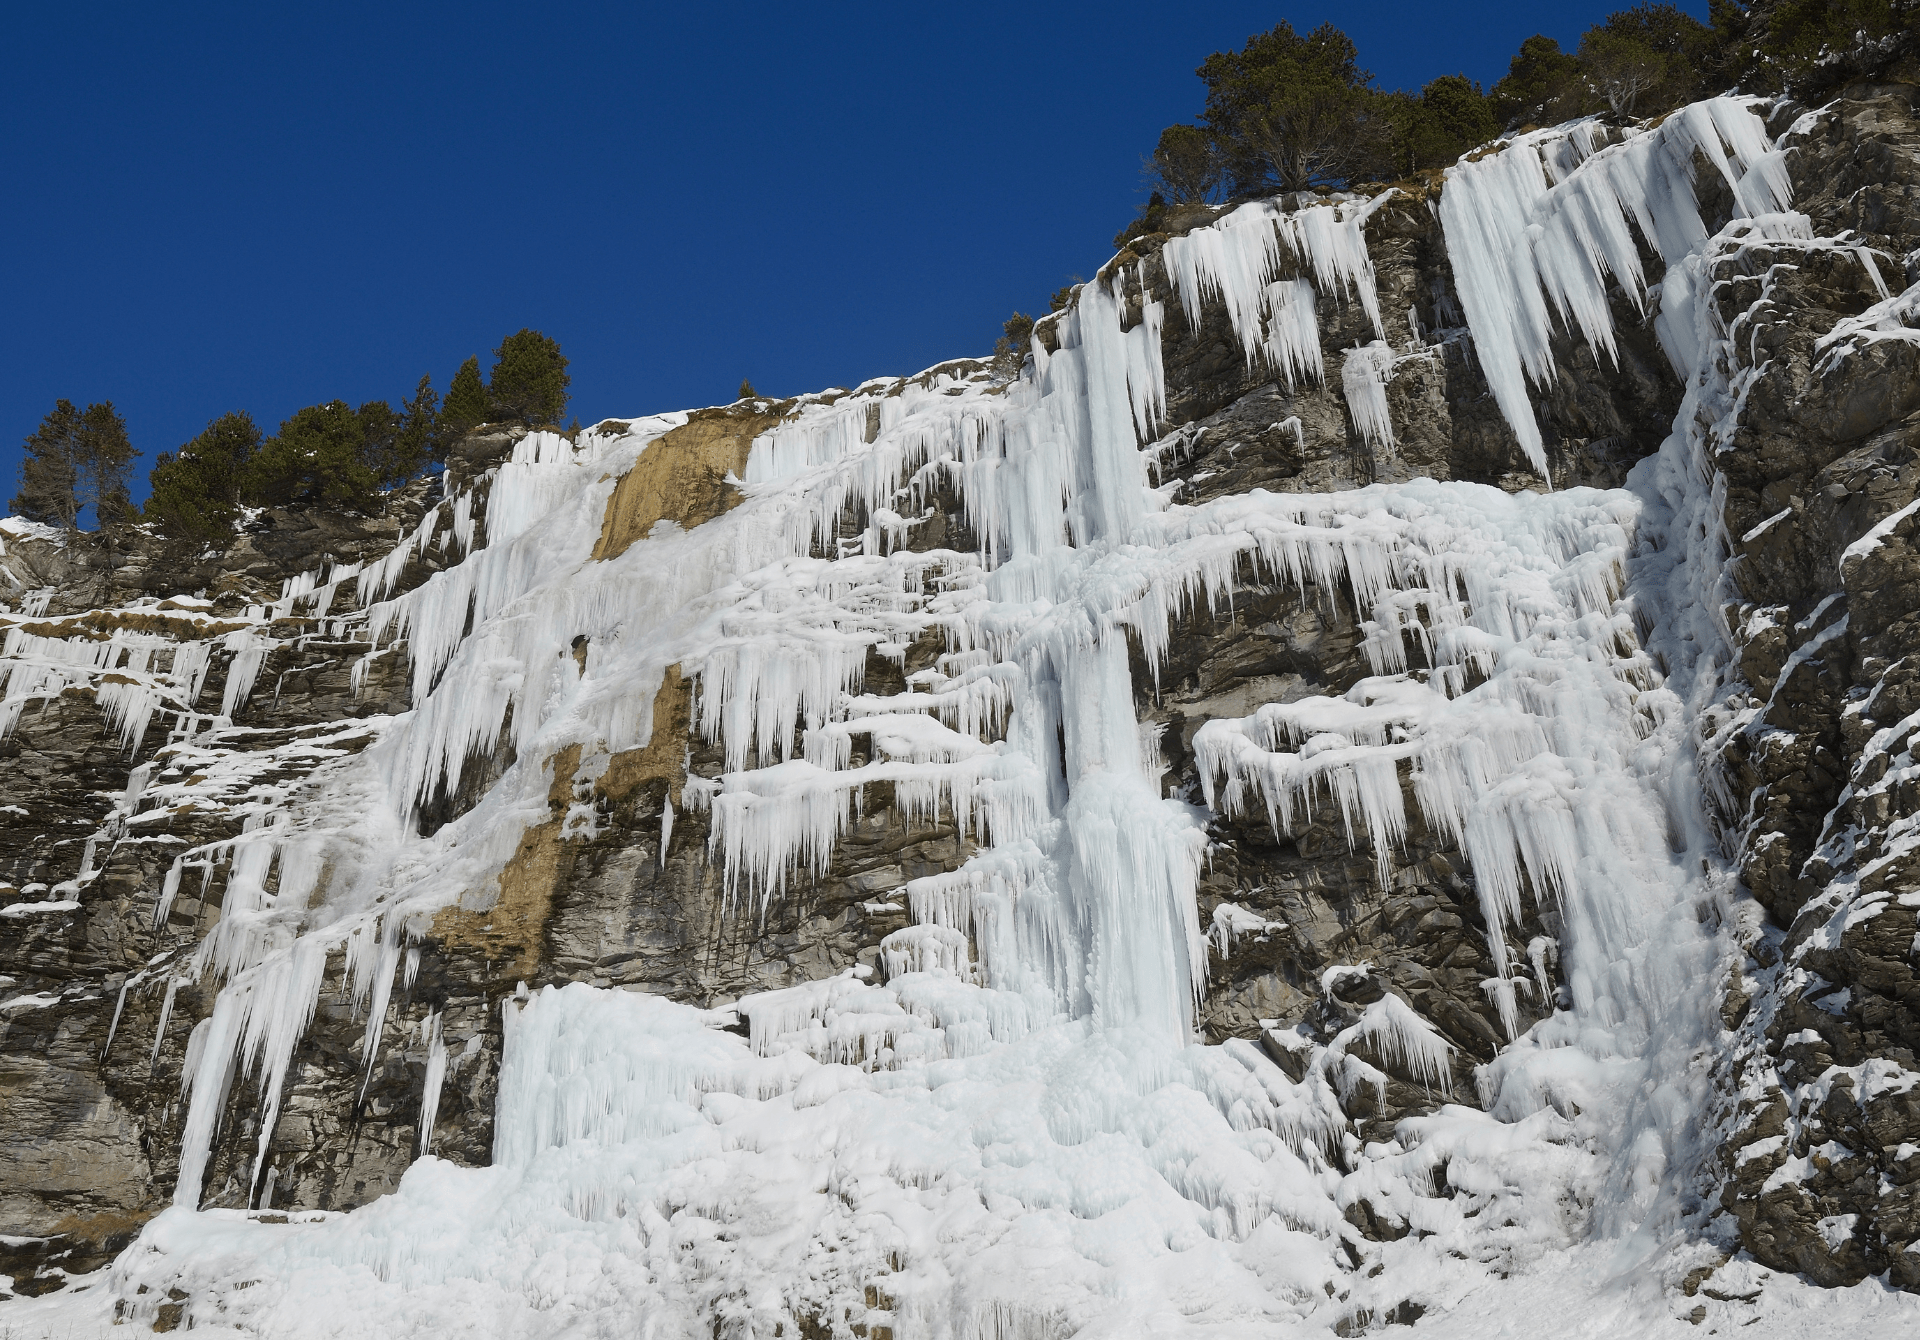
203	1081
1292	346
1364	378
166	1013
382	975
169	889
1403	1037
1527	249
119	1004
249	654
926	949
818	435
436	1073
1238	260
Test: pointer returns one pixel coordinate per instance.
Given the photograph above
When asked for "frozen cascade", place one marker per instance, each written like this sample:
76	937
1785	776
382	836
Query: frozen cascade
1240	261
1030	1144
1535	231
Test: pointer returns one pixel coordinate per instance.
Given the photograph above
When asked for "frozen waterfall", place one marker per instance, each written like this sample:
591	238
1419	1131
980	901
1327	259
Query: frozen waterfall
1016	1134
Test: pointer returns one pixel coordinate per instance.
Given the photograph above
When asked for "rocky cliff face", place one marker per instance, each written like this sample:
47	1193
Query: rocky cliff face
1813	759
166	710
85	1156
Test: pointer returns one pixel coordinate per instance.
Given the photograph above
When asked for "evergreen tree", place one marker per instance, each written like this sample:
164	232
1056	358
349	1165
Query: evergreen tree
195	494
529	380
465	407
746	391
1450	116
1417	140
1543	85
50	475
1462	111
380	436
1010	350
1646	57
319	457
418	441
1152	218
1798	33
77	458
1185	165
104	460
1293	112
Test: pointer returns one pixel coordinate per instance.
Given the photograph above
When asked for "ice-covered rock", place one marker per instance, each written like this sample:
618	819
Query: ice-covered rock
1377	766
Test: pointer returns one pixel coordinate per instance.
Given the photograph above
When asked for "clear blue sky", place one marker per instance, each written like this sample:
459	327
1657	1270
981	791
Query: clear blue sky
266	206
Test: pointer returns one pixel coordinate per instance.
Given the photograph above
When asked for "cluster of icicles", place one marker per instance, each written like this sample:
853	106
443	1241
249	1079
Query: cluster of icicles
1505	681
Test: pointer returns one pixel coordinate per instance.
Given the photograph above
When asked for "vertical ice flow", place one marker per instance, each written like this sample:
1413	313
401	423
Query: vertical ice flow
1542	739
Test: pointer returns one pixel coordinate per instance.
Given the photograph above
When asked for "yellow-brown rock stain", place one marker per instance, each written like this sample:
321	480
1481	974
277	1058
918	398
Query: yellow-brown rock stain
664	756
511	932
683	477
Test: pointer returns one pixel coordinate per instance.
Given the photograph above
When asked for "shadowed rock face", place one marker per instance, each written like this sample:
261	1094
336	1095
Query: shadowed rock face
1820	1113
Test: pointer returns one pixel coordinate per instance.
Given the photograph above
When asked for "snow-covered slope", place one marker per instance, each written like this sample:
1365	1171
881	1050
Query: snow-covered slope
1005	1124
